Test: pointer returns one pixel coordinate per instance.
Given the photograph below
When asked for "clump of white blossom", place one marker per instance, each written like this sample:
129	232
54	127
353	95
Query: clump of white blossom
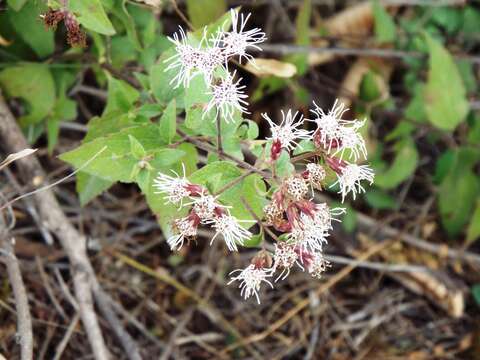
300	225
210	54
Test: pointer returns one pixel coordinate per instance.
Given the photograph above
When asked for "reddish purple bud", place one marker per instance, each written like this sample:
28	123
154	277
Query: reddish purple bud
195	190
276	150
306	206
336	164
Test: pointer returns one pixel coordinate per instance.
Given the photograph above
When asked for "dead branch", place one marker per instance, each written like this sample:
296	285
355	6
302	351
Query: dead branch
55	220
24	319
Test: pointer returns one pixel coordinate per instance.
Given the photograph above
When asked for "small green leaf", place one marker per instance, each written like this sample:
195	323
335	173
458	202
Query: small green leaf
476	293
446	104
89	187
458	191
302	36
136	148
283	165
385	31
369	90
204	12
378	199
349	220
403	166
16	4
255	241
121	96
168	123
90	13
34	84
473	230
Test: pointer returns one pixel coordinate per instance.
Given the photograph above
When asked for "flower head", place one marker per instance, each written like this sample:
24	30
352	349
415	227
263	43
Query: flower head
328	124
236	41
231	230
318	265
285	256
227	96
184	228
250	280
296	187
315	174
205	206
349	179
175	188
350	139
288	131
189	61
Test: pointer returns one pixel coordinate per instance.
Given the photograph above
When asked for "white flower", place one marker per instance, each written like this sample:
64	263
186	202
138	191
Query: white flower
185	61
323	215
350	177
334	132
315	175
238	40
296	187
204	206
329	123
210	59
309	233
227	96
318	265
350	139
250	280
186	228
232	232
285	257
190	61
176	188
288	130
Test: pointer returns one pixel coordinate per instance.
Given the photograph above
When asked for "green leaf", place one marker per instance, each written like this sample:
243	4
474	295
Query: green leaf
117	162
28	26
121	96
473	230
369	90
255	241
379	199
91	14
385	31
89	187
302	36
283	165
349	219
64	109
403	166
458	191
16	4
476	293
446	104
168	123
136	148
121	12
196	98
204	12
34	84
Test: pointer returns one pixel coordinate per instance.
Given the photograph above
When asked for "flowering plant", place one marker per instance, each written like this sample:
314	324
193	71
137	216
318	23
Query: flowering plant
199	119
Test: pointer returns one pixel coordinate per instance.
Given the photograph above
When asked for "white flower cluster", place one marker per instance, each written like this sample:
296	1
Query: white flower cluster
210	54
204	210
334	136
